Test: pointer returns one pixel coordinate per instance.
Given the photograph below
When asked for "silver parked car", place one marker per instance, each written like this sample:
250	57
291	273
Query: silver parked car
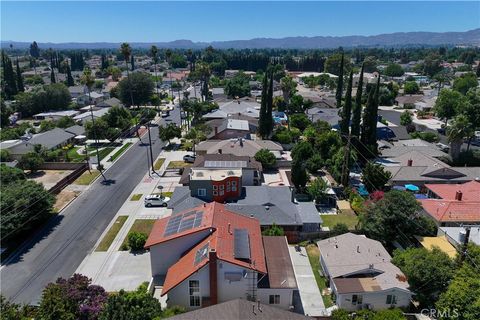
156	200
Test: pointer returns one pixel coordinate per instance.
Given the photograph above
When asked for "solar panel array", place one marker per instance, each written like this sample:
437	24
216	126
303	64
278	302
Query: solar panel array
201	254
225	164
182	222
241	244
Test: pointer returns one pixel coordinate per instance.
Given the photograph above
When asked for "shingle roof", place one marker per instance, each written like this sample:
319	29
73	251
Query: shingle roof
452	210
349	254
249	108
48	140
239	309
470	190
246	148
221	222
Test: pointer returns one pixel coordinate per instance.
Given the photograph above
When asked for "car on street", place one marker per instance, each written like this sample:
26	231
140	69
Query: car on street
443	147
189	158
164	114
156	200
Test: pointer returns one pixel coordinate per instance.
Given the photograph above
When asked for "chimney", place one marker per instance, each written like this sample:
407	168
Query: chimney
215	129
212	263
409	162
229	228
458	195
358	249
241	142
220	151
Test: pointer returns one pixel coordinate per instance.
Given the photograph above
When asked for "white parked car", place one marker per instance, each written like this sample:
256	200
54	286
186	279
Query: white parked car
189	158
156	200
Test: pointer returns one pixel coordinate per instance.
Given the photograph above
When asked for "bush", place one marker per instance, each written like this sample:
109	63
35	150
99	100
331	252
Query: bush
411	87
338	229
266	158
427	136
136	240
31	161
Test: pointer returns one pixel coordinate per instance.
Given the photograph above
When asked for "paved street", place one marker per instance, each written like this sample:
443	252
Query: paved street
59	249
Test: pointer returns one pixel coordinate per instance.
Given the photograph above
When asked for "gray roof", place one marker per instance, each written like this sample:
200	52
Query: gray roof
239	309
110	103
76	89
182	200
350	254
325	114
76	130
453	234
49	140
398	150
247	148
87	115
249	108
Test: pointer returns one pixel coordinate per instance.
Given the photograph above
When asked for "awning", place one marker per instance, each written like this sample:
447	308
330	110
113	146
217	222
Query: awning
412	187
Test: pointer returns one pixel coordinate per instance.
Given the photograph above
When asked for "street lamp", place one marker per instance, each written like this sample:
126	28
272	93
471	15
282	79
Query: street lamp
160	188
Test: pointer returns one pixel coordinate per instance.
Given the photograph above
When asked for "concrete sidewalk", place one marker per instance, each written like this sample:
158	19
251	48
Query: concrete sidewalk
310	295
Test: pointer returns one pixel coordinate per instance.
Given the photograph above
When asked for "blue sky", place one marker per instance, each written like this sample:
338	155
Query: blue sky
111	21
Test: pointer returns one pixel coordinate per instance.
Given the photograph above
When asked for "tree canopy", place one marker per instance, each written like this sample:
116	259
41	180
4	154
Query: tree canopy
137	88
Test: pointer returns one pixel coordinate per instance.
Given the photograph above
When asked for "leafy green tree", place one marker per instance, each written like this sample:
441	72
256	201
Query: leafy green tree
169	132
461	300
274	230
448	104
136	89
395	217
333	64
65	122
375	176
266	158
327	144
411	87
135	305
19	213
238	86
299	174
317	189
314	164
13	311
406	118
300	121
136	240
340	314
431	65
9	174
118	117
47	125
31	161
389	314
302	151
393	70
465	83
338	229
472	111
72	298
428	272
347	108
357	109
457	131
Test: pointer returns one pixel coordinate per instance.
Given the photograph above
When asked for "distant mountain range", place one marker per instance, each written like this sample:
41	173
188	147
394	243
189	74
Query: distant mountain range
398	39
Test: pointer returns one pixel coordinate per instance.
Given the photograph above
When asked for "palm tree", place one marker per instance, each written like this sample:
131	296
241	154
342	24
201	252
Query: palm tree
168	56
126	51
88	80
288	86
458	130
154	53
204	73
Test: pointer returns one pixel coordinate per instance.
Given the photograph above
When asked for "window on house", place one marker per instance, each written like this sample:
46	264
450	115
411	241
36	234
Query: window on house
391	299
354	299
234	183
274	299
215	187
234	188
202	192
194	291
215	192
222	187
221	193
228	188
228	183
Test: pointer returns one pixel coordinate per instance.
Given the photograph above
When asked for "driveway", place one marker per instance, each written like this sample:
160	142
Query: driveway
310	295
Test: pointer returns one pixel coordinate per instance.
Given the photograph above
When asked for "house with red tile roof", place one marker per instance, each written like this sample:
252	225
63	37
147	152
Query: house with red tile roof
208	254
451	205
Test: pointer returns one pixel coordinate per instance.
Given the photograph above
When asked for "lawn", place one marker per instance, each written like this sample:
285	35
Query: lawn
140	225
74	156
314	258
86	178
120	151
165	193
178	164
136	197
330	221
102	152
158	164
111	234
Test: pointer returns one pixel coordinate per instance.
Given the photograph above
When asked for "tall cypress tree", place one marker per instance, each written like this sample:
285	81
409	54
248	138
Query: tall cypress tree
339	92
367	115
262	124
347	109
369	125
20	85
357	109
52	76
9	85
132	62
269	117
70	81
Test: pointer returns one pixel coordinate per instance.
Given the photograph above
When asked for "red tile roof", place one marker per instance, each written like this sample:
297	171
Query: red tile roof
452	210
222	223
470	190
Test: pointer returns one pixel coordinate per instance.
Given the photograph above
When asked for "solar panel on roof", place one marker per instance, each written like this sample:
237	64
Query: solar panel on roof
183	222
225	164
201	254
241	244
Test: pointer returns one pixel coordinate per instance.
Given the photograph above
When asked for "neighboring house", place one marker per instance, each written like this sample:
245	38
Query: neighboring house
451	205
92	98
408	101
361	275
457	235
319	101
218	94
208	255
251	169
112	102
244	107
280	117
86	116
76	130
228	128
416	167
239	309
238	147
270	205
329	115
55	115
215	185
49	140
252	122
77	91
367	78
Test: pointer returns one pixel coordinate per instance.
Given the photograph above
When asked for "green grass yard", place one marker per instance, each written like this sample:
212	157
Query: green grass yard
136	197
111	234
330	221
140	225
178	164
74	156
314	258
86	178
158	164
120	151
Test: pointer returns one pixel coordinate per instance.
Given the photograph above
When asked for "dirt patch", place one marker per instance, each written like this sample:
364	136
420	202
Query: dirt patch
49	178
64	198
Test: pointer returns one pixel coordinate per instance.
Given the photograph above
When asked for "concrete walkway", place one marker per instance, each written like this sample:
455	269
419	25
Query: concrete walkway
310	295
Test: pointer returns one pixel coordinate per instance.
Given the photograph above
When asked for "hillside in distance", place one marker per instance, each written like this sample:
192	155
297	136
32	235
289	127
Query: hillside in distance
398	39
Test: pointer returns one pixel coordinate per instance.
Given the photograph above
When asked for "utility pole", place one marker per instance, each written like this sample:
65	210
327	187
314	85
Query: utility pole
465	242
346	164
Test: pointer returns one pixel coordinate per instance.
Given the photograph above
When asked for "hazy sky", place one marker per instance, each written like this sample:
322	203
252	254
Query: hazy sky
115	21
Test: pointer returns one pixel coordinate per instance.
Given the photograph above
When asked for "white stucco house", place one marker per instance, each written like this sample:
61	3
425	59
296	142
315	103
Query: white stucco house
361	275
208	255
